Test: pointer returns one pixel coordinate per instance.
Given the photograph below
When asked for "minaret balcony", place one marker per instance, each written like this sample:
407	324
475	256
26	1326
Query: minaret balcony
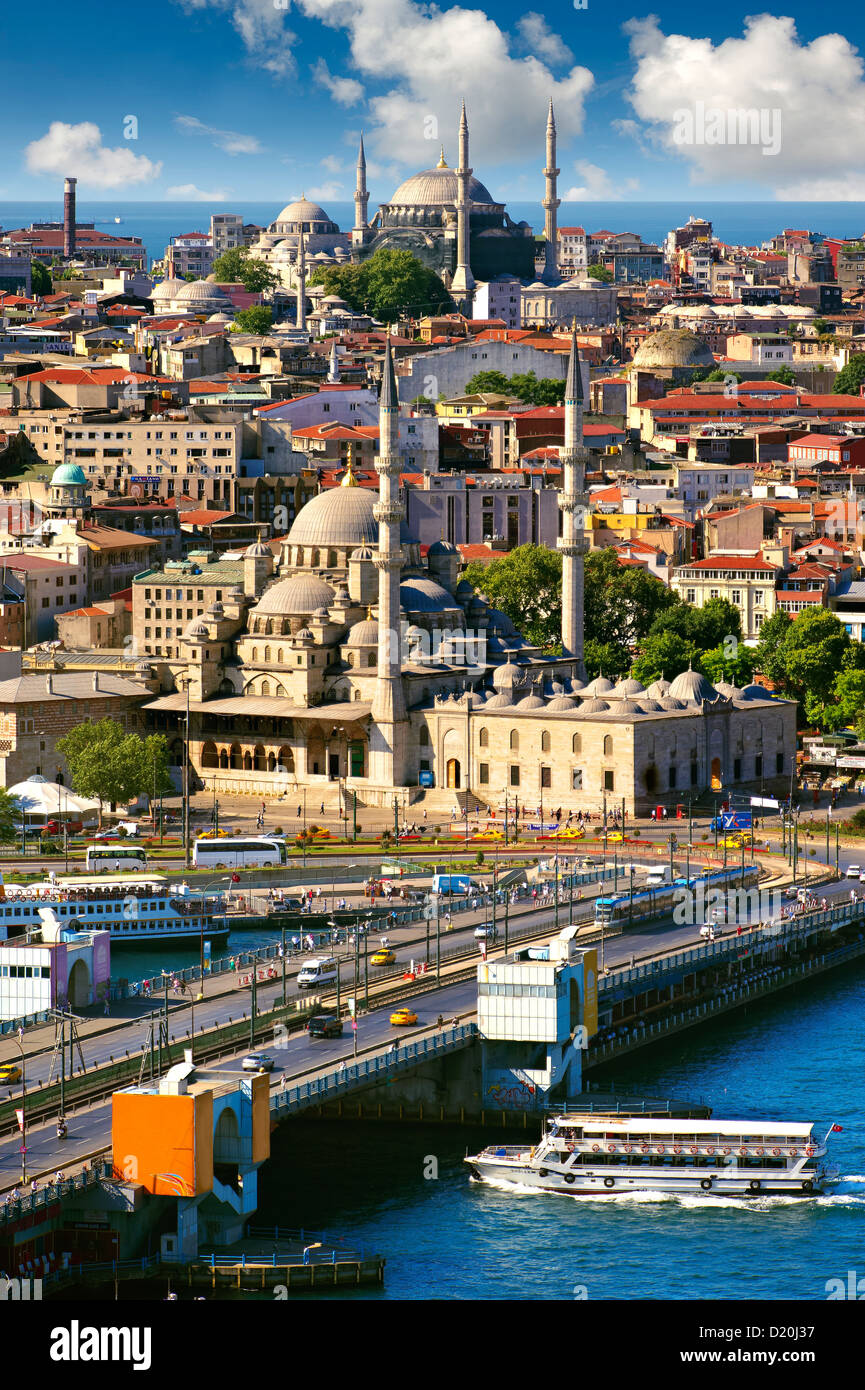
388	511
579	545
388	559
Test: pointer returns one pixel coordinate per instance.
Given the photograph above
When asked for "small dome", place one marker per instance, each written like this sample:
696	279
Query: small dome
499	701
303	635
673	347
420	595
295	597
532	702
166	289
593	706
216	610
754	692
658	689
68	475
625	707
364	634
561	702
669	703
507	676
692	687
197	631
363	552
730	692
258	550
650	706
442	548
576	686
629	686
599	686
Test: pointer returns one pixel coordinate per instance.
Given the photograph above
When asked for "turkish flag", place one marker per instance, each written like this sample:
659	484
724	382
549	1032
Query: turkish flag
235	878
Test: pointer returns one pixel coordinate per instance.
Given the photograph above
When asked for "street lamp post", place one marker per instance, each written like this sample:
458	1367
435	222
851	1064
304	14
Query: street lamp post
20	1041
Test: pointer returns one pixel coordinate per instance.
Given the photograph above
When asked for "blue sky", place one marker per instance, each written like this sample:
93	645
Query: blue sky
229	100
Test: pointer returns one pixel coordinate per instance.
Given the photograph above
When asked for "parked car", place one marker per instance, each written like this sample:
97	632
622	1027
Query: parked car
853	871
485	931
383	957
257	1061
325	1026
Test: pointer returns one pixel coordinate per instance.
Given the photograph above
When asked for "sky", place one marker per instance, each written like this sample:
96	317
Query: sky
221	101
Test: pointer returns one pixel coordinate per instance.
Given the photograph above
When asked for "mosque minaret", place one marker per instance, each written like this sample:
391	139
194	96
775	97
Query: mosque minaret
389	730
572	501
463	281
551	202
360	230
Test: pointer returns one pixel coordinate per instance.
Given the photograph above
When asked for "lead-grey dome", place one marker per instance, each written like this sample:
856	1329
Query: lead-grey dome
629	686
560	703
693	687
299	596
364	634
438	188
341	516
599	686
532	702
593	706
658	689
420	595
674	347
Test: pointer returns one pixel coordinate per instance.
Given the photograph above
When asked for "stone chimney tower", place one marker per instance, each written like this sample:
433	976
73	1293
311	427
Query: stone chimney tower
69	218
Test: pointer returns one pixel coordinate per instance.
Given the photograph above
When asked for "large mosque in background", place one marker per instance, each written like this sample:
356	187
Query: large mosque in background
444	216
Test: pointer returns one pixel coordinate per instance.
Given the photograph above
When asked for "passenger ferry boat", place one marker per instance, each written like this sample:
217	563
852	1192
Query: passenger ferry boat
133	910
589	1155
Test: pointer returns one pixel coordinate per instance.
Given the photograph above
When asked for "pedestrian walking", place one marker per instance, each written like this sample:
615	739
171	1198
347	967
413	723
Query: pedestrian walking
342	1069
106	1008
321	809
299	812
440	1022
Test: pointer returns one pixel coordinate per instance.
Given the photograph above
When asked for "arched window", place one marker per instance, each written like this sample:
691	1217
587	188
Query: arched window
576	744
514	740
259	759
371	659
331	559
279	659
265	687
267	653
423	736
484	738
608	746
545	742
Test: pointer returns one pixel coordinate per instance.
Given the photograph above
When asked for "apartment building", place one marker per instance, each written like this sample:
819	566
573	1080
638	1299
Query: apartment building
165	601
747	581
189	253
573	256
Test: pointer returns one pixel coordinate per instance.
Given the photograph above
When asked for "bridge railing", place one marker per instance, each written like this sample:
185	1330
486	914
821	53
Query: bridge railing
344	1077
25	1200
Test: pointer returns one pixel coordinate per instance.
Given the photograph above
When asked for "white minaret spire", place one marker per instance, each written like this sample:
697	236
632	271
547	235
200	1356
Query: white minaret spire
361	200
572	501
333	365
551	202
463	282
300	316
387	744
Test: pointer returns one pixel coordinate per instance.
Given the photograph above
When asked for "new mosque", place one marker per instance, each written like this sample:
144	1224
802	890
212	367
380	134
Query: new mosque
352	663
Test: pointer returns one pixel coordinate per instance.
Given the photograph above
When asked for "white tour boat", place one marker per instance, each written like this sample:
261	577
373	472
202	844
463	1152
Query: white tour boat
133	910
589	1155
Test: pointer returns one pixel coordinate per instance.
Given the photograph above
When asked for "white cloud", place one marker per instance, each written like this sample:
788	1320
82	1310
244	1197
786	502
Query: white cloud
326	193
78	151
538	37
429	59
598	186
260	24
230	141
346	90
816	88
333	164
188	193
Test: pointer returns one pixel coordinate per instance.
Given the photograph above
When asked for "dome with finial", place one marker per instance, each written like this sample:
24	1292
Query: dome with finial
692	687
599	686
259	551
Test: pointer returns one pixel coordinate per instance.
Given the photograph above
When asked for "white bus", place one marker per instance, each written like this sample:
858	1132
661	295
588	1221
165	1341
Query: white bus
115	857
238	853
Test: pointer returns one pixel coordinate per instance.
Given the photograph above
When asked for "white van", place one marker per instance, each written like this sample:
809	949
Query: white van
658	876
319	971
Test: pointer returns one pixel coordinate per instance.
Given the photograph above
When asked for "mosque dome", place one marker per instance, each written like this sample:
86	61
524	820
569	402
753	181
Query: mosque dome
165	290
363	634
532	702
674	347
754	692
499	701
650	706
629	686
420	595
730	692
593	706
295	597
624	707
576	686
340	516
438	188
302	212
68	475
667	702
658	689
599	686
693	688
442	548
560	703
197	631
258	550
508	675
200	295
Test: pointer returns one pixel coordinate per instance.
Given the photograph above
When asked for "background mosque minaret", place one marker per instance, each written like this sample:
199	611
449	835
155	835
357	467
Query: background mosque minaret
388	733
360	231
300	316
463	282
551	202
572	500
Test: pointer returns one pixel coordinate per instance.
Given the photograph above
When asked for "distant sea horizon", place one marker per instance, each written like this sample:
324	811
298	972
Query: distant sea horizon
738	223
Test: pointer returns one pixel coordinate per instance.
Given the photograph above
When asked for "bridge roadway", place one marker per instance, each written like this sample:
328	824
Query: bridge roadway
89	1130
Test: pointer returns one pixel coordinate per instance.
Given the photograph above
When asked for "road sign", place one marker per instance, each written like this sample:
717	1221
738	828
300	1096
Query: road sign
351	1005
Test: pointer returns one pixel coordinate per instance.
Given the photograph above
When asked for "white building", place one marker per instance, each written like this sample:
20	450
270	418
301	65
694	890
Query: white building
65	967
498	298
573	255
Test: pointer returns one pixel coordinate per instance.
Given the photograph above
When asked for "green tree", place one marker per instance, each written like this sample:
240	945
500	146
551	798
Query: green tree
157	778
821	326
621	603
720	375
811	654
257	319
605	659
705	627
664	654
235	266
388	284
600	272
488	383
731	662
768	650
851	377
527	586
526	386
783	375
10	816
104	762
40	279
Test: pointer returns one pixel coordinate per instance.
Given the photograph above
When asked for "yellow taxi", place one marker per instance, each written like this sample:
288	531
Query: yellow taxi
569	833
403	1017
615	837
737	841
383	957
488	835
10	1072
